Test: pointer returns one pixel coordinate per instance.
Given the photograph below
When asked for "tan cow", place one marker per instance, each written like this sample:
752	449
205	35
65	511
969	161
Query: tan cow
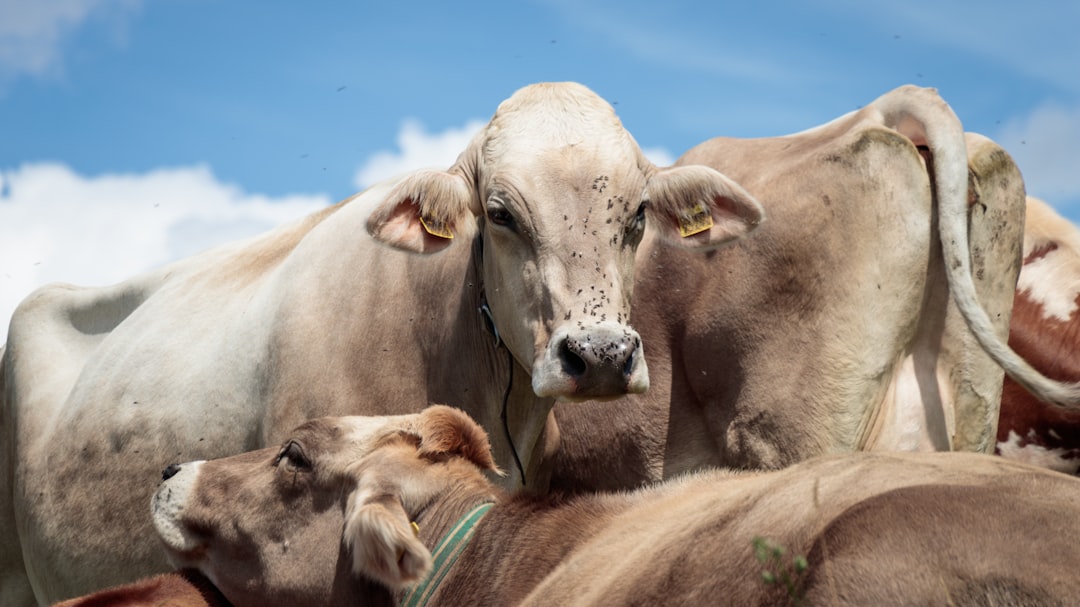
350	511
538	222
836	327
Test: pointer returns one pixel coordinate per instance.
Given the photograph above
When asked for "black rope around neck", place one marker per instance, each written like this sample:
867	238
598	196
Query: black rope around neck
489	322
506	425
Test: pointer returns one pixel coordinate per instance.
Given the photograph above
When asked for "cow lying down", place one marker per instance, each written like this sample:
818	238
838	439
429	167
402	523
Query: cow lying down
186	588
363	510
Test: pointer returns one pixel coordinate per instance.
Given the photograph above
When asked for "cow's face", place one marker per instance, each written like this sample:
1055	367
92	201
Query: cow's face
324	519
265	526
561	224
563	193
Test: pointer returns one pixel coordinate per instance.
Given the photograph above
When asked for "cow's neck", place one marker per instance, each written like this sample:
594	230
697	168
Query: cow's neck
445	556
501	397
444	510
517	543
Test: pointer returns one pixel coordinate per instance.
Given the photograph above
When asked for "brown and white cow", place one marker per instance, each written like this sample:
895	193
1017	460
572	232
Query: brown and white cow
837	326
349	511
1045	330
538	221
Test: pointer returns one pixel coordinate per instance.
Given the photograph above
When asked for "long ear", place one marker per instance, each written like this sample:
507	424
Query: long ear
698	207
383	543
424	211
448	431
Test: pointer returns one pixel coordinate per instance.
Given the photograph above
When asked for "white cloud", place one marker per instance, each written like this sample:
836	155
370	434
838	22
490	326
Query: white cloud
1046	146
419	149
659	156
32	32
56	225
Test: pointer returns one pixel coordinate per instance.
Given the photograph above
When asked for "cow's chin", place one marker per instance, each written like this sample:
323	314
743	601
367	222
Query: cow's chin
556	383
591	399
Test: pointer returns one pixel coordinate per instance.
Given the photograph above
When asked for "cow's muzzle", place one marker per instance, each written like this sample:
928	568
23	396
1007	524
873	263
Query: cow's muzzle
167	509
597	361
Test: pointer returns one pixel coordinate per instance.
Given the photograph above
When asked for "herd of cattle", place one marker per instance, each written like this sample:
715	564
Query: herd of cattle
902	296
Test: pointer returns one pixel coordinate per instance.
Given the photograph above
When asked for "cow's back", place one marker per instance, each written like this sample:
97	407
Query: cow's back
875	529
1011	542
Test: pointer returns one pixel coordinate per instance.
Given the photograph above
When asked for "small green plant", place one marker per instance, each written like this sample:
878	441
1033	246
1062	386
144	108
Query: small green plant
777	572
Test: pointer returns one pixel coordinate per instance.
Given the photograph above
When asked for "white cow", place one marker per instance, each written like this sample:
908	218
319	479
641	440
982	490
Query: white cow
539	220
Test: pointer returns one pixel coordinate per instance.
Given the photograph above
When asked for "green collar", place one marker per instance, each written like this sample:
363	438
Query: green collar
445	554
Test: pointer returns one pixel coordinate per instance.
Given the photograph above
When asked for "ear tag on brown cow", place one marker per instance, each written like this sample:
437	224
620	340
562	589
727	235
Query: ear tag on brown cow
436	228
698	220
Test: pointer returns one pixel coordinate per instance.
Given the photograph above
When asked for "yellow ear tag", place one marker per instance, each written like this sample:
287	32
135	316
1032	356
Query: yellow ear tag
415	528
698	220
436	228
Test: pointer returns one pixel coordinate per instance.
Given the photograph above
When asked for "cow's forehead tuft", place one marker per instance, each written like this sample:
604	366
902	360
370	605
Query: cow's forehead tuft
320	429
553	117
362	431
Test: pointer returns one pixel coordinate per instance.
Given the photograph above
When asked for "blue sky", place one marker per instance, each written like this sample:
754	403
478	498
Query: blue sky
133	132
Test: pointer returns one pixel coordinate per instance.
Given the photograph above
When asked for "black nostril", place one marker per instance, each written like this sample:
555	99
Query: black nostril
573	364
628	367
170	471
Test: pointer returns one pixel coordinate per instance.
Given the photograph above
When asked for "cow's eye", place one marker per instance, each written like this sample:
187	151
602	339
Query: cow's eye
500	216
639	219
294	458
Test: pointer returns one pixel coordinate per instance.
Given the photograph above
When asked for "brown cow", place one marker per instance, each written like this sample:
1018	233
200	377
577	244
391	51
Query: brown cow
1045	330
350	511
185	588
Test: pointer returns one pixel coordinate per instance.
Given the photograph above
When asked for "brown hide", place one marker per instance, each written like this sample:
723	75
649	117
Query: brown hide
896	529
1045	330
180	589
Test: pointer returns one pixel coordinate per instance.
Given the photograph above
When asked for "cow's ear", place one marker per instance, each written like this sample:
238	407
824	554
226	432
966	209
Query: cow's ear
382	540
424	212
697	207
447	431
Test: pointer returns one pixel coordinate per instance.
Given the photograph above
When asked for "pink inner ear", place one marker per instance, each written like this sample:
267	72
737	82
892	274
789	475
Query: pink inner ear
403	223
402	228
